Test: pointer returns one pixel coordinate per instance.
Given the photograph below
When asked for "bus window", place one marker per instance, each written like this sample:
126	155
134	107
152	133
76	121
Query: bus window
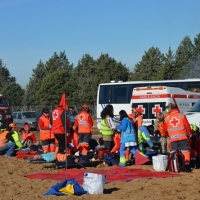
184	85
192	85
105	95
121	94
115	94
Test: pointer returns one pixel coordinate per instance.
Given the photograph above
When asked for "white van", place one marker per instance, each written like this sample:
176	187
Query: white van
155	98
193	114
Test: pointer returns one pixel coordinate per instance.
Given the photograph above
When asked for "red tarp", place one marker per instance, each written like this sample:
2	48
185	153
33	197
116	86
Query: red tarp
113	174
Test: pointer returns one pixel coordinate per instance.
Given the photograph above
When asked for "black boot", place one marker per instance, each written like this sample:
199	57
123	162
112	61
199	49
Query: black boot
197	163
193	164
188	169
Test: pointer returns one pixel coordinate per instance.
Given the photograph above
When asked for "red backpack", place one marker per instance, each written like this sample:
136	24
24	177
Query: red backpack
176	162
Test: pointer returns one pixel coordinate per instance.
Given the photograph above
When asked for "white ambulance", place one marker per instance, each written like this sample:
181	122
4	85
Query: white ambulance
155	99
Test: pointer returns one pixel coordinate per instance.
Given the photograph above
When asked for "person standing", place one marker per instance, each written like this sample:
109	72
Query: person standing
178	130
128	137
84	123
106	127
71	115
159	130
46	136
138	117
59	123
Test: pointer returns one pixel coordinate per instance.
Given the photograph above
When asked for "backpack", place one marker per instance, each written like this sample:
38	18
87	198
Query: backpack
176	162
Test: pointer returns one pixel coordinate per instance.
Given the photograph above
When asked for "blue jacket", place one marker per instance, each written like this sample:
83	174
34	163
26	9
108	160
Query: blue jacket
72	116
128	133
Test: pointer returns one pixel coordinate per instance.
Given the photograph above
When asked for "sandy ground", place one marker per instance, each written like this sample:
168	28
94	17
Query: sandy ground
14	184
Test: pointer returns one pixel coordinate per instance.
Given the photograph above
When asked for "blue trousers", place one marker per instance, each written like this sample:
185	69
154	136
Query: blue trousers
122	151
8	148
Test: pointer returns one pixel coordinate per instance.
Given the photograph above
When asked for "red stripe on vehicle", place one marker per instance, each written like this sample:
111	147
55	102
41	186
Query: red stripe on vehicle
159	96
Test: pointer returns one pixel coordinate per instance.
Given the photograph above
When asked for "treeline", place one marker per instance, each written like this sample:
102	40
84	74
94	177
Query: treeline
57	75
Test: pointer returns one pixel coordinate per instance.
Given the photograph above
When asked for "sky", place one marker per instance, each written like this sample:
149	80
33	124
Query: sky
32	30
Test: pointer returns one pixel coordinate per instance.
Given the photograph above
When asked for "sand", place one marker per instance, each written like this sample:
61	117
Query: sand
14	184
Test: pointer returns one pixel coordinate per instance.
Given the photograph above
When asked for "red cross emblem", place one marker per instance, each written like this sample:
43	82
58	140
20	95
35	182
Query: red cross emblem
81	117
141	108
174	121
55	114
156	109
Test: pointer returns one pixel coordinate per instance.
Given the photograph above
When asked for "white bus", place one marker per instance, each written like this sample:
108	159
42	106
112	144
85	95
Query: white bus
119	94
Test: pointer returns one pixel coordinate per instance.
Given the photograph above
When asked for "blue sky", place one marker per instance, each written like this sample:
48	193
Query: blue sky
31	30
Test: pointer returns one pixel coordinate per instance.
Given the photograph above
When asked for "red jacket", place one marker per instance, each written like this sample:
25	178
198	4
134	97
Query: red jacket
176	126
58	120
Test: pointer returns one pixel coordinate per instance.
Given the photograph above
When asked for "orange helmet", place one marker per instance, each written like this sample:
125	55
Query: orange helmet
12	125
85	106
27	127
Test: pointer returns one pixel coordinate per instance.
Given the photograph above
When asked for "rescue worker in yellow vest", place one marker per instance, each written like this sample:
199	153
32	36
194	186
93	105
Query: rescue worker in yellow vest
144	136
178	130
106	127
15	135
84	123
46	136
7	148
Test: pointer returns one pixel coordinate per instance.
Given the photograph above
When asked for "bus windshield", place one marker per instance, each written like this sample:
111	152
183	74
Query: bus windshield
195	107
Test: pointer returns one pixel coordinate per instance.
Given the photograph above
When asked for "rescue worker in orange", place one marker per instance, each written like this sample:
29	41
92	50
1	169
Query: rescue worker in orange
7	148
84	123
178	130
132	117
46	135
159	130
59	124
28	138
138	117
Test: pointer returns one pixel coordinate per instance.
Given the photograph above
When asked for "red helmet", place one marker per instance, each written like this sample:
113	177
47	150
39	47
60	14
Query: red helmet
138	110
85	106
12	125
27	127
